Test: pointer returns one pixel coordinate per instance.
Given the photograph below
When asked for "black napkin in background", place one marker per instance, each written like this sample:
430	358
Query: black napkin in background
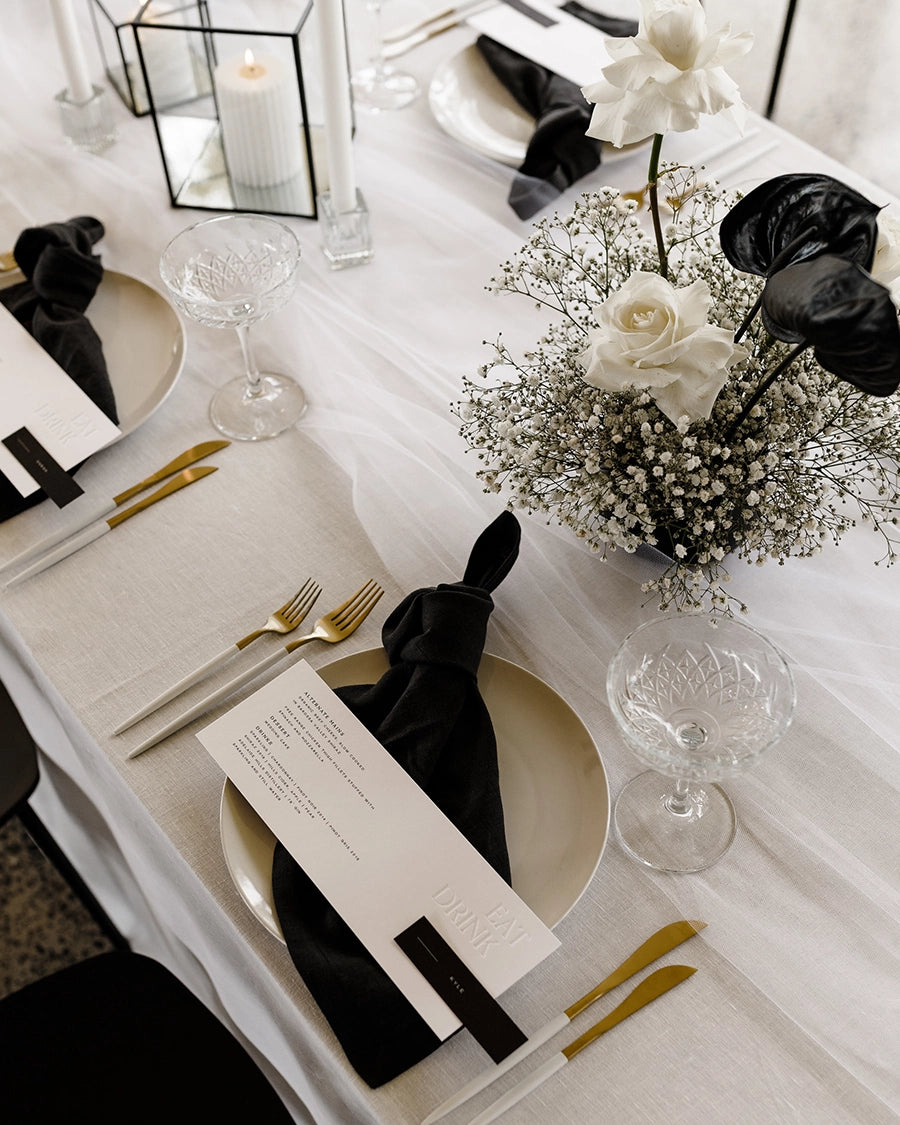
426	710
61	277
558	153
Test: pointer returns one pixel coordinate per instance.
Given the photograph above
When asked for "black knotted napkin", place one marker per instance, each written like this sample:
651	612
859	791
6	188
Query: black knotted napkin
62	274
558	153
427	712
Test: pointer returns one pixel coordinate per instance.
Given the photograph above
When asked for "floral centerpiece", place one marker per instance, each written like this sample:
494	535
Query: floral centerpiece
719	386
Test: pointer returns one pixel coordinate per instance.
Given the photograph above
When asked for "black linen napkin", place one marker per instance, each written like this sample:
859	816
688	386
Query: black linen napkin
558	153
62	274
427	712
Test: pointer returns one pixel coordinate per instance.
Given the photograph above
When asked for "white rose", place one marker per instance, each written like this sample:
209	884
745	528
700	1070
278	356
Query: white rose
886	264
652	336
666	76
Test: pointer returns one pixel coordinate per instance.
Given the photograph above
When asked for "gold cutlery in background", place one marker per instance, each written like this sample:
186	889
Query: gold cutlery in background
105	508
331	628
664	940
457	14
283	620
640	194
399	42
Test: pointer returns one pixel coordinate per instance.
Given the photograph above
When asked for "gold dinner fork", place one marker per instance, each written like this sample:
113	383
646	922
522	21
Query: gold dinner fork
283	620
331	627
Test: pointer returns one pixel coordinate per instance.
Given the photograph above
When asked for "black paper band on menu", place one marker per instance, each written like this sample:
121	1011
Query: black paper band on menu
49	474
460	990
533	14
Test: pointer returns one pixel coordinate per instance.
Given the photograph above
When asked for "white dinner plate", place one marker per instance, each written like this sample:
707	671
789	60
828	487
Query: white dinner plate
552	781
471	105
143	343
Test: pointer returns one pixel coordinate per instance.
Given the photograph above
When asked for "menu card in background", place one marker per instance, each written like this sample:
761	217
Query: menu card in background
37	393
375	845
568	46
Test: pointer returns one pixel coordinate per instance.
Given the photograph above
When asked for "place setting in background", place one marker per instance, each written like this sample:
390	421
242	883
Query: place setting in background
103	352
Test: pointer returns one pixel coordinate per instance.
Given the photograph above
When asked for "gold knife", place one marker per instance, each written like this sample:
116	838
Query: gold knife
651	988
95	530
106	507
651	950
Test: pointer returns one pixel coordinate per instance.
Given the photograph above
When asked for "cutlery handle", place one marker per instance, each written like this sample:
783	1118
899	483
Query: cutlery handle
177	689
69	547
86	516
480	1081
209	702
509	1099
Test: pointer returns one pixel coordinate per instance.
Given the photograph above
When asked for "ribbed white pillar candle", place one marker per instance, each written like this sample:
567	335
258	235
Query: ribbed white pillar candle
259	112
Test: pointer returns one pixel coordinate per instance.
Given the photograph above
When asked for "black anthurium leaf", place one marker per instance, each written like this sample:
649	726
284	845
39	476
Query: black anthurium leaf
849	319
791	218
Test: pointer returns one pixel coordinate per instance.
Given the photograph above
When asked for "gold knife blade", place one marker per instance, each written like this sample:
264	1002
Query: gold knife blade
89	511
184	478
649	951
655	946
102	527
648	990
189	457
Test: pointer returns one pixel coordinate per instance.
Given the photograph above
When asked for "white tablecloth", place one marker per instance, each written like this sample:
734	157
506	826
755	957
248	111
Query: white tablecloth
794	1013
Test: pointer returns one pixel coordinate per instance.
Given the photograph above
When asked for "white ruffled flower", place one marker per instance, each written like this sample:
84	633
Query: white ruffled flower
665	77
886	265
654	337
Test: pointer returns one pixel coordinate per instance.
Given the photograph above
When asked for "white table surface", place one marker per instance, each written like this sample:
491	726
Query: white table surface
793	1016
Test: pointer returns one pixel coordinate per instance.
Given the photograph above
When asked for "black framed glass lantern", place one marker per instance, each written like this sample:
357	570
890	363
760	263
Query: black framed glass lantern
114	23
248	137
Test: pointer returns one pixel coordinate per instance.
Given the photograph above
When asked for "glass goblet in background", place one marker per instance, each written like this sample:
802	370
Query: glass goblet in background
697	697
230	272
379	85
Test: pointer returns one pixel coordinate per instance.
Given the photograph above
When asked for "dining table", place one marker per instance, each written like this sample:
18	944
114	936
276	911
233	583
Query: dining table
794	1012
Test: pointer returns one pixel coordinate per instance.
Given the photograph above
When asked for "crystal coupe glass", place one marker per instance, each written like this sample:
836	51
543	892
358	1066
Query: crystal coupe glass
698	697
230	272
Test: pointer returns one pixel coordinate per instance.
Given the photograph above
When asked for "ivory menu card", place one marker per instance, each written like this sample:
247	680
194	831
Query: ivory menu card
376	846
35	392
568	46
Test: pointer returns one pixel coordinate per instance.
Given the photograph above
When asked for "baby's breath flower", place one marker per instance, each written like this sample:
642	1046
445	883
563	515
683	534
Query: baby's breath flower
814	456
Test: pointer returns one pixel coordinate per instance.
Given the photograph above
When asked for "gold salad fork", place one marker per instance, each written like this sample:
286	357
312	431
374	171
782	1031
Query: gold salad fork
283	620
332	627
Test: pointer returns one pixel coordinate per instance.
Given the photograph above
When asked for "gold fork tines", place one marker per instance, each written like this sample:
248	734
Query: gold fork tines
289	616
332	627
283	620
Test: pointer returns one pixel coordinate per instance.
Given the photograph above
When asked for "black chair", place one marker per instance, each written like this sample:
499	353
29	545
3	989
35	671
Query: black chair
117	1038
19	775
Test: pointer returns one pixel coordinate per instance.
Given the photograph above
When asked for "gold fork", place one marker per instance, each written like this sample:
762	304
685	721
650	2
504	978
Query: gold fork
332	627
283	620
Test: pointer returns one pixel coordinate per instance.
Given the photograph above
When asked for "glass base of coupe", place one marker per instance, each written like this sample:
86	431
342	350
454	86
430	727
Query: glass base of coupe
721	385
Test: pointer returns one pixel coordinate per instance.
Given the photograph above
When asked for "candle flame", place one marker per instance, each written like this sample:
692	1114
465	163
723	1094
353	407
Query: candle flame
248	58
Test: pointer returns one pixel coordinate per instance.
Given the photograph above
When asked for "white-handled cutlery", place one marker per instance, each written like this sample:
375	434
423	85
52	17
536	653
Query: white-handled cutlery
456	14
104	508
283	620
414	35
331	628
654	986
664	940
93	531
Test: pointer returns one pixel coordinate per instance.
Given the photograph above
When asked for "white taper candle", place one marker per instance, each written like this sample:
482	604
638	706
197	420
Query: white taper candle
337	109
78	78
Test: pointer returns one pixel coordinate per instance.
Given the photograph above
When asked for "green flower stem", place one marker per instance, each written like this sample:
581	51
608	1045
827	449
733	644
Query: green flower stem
652	180
762	388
